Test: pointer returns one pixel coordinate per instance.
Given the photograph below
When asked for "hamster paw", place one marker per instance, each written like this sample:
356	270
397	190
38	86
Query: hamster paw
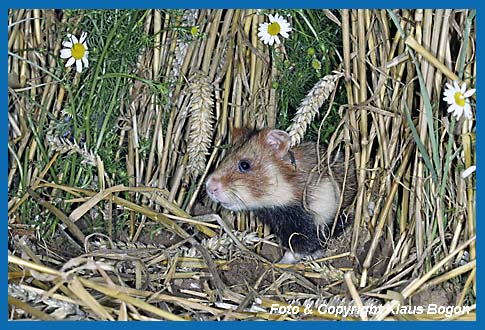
290	258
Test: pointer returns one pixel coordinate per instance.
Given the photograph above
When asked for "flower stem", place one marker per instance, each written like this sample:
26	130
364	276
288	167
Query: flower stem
100	62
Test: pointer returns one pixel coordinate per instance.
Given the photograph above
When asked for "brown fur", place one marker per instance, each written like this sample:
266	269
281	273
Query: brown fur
268	162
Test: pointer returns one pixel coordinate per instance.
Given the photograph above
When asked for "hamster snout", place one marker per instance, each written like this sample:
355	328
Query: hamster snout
213	186
221	194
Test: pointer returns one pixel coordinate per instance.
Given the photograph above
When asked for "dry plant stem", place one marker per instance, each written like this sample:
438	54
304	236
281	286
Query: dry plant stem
29	309
147	191
58	283
35	184
176	183
59	214
254	67
449	275
56	296
130	300
346	16
471	279
416	284
355	295
411	42
32	265
346	51
83	295
156	297
419	167
168	136
444	40
470	191
384	213
466	137
173	227
363	132
157	140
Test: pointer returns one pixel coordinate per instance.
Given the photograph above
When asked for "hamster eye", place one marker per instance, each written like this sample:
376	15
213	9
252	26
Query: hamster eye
244	166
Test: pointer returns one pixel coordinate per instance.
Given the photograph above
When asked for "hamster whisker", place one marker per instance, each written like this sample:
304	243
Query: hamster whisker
238	199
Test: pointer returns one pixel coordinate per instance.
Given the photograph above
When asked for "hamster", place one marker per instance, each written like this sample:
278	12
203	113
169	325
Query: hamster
284	188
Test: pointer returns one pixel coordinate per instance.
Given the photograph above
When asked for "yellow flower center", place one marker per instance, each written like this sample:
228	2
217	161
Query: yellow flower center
274	28
459	99
78	51
194	30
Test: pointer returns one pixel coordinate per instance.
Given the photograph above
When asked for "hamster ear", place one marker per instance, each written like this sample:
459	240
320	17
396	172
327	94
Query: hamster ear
279	141
239	135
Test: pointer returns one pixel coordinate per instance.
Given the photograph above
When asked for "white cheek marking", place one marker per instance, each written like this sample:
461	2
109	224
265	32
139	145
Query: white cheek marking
239	197
323	200
278	192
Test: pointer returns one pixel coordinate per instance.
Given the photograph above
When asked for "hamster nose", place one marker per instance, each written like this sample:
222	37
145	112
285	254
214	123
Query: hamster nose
213	186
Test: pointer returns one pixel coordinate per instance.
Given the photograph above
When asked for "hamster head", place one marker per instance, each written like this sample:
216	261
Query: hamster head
254	174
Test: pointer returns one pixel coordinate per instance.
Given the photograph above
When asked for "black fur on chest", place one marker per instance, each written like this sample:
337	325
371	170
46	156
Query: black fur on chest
296	228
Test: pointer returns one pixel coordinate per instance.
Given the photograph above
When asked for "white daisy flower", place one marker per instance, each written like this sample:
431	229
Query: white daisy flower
268	32
457	98
76	51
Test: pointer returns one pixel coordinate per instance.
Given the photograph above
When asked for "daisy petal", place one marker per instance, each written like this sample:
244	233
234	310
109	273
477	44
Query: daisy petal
469	93
85	61
67	44
263	28
79	66
468	171
66	53
467	111
70	62
458	113
449	93
83	37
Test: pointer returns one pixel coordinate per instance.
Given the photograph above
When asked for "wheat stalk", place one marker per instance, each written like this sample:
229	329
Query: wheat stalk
201	119
65	146
310	105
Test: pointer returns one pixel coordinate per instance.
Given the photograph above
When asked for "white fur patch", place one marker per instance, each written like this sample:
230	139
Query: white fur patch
323	199
279	192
